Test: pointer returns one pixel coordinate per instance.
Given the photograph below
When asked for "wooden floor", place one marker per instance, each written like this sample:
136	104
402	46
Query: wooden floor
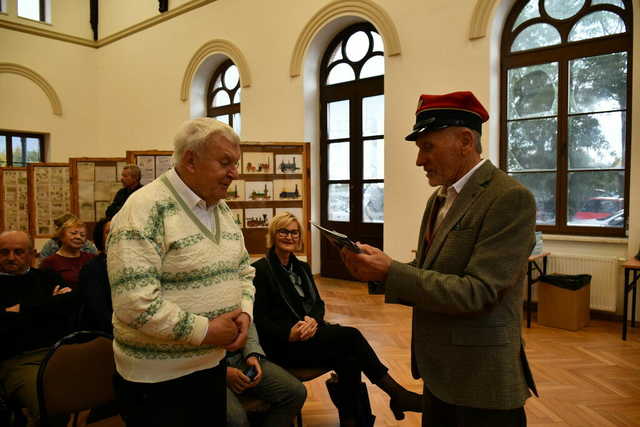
585	378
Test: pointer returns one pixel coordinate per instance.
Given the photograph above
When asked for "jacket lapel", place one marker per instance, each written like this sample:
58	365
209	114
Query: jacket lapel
472	190
422	244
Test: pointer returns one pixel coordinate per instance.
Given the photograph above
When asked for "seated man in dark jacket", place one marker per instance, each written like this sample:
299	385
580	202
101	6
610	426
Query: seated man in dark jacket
36	310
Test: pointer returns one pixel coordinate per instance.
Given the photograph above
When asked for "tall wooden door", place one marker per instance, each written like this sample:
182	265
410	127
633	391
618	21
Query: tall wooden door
352	138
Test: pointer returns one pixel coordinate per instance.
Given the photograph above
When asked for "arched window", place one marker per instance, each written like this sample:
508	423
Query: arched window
566	93
223	96
352	140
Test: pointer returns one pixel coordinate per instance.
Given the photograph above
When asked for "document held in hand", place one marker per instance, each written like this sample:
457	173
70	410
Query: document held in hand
338	239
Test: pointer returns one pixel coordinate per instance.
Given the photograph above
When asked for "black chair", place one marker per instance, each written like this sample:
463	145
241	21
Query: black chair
75	375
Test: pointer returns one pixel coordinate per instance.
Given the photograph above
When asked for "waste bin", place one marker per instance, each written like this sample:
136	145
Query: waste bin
563	300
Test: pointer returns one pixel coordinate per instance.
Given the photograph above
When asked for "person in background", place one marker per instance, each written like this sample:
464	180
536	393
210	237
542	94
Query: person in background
36	310
69	259
284	392
52	245
465	284
95	292
181	285
289	316
130	179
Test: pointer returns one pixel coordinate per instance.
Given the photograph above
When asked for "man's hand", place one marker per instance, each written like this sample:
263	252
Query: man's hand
242	321
223	329
59	291
253	361
370	265
237	381
13	308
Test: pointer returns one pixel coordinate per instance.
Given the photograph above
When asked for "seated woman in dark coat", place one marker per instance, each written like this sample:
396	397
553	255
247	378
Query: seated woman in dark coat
289	316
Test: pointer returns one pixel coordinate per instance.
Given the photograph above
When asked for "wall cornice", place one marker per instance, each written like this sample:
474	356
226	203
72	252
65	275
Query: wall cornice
147	23
56	105
362	8
210	48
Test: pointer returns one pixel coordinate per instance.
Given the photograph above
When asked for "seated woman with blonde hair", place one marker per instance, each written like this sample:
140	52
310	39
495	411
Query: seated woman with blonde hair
289	316
69	259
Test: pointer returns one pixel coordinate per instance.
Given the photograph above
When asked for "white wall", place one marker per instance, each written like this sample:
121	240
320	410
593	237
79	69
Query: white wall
126	95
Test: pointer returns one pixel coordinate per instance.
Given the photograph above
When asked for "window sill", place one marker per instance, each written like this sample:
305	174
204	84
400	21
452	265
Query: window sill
35	21
587	239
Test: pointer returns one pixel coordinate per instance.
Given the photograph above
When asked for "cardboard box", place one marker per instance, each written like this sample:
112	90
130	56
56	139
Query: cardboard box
563	308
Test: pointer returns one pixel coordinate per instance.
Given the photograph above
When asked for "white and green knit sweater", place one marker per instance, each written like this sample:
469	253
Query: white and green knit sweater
169	275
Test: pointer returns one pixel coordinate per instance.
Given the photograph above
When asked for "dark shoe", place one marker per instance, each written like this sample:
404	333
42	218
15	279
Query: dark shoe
398	413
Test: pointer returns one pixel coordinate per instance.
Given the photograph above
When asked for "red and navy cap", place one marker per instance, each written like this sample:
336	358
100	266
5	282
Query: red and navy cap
452	109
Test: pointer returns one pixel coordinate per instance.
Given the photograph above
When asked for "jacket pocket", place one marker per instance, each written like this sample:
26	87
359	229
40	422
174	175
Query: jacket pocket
480	336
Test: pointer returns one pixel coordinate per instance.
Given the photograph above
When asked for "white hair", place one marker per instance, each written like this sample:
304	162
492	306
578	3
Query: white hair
194	134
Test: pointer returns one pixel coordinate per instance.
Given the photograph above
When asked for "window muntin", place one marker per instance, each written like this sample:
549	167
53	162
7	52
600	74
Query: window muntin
223	96
564	110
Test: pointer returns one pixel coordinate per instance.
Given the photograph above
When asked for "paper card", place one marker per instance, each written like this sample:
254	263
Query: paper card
163	164
288	163
257	218
257	163
259	190
238	216
287	189
106	173
86	171
147	165
235	192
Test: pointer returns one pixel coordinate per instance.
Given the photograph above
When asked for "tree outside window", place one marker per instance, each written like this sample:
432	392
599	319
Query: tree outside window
19	149
565	96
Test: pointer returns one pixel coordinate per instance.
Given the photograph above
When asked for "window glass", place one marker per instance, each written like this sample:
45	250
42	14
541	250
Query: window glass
618	3
3	150
17	151
357	46
339	161
338	119
373	159
237	123
562	9
543	187
373	67
596	141
373	202
597	24
533	91
231	77
530	11
220	99
594	195
33	150
373	115
598	83
338	205
532	145
535	36
29	9
341	73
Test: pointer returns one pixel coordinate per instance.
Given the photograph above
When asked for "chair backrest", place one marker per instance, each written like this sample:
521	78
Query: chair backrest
76	374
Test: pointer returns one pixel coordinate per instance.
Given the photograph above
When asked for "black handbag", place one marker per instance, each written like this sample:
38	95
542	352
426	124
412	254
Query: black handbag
358	402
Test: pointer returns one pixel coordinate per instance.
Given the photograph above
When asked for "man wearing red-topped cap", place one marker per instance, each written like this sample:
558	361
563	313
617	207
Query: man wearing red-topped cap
465	284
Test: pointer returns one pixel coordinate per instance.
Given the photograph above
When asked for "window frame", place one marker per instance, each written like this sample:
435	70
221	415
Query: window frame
232	108
562	54
9	147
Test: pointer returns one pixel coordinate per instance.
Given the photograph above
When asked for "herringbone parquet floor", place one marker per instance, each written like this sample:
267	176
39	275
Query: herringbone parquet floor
585	378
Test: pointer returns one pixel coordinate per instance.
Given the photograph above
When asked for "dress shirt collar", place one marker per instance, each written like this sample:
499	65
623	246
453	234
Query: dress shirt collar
459	184
192	200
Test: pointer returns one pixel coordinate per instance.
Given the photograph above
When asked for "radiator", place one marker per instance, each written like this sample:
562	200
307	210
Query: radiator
604	271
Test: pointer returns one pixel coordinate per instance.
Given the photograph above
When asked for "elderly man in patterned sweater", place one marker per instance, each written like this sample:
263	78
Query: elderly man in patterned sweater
181	285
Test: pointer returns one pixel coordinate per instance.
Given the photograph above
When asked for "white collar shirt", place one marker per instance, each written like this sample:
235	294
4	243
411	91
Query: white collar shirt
451	193
197	205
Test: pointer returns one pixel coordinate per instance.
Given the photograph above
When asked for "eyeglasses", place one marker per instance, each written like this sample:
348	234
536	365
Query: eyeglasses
283	232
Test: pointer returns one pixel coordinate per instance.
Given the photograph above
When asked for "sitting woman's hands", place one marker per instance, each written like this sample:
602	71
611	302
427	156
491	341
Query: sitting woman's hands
303	329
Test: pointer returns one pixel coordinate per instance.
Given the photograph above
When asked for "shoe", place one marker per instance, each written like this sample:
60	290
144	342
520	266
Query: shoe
398	413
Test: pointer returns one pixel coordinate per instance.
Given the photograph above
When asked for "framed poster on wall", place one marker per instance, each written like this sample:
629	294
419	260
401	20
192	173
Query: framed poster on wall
152	163
49	193
14	199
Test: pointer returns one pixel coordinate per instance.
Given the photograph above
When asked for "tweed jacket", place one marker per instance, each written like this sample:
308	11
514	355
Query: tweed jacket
466	294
